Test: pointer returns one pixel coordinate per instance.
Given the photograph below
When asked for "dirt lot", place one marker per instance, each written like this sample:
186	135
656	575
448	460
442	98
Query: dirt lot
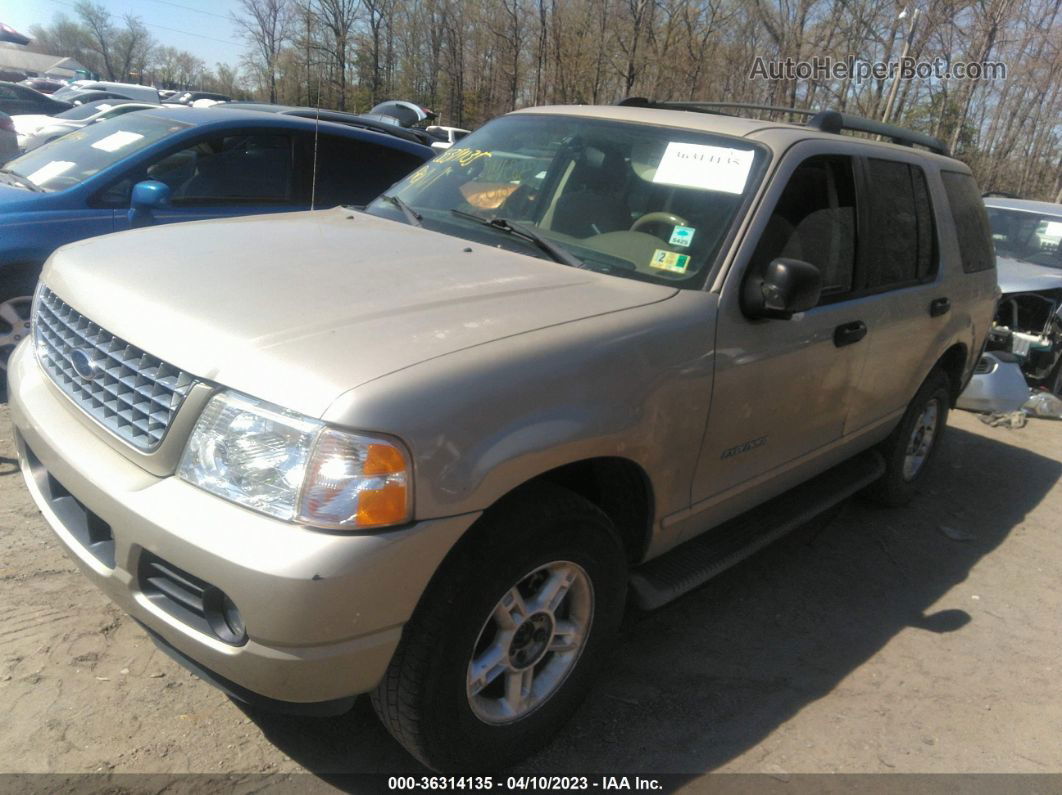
919	640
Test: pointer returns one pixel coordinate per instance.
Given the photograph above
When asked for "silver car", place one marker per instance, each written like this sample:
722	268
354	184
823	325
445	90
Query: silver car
426	450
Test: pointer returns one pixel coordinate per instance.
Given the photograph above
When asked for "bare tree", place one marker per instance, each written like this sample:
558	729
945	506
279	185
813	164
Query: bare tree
100	30
337	17
266	24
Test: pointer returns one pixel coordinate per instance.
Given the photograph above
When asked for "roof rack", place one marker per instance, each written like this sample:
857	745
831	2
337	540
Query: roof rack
830	121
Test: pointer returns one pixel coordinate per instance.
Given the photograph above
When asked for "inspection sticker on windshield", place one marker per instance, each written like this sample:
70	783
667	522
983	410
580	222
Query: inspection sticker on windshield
669	261
682	236
706	167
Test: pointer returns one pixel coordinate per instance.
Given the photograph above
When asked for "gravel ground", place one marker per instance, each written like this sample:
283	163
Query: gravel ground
916	640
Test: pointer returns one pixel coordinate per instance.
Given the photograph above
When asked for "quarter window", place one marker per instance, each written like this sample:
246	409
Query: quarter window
815	221
900	244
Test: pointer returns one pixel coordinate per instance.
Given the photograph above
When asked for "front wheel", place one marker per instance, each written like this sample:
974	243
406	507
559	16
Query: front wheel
911	448
508	636
16	297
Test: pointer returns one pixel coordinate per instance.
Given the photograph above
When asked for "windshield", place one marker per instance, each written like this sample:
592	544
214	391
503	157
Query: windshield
1030	236
645	202
70	160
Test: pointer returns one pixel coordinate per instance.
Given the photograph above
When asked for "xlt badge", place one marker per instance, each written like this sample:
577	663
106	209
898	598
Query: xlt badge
744	447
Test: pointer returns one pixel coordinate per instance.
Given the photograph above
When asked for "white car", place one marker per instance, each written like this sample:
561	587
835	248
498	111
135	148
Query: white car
34	130
134	91
1025	342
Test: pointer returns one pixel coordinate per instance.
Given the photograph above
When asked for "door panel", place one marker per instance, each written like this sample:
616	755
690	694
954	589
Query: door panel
898	270
782	387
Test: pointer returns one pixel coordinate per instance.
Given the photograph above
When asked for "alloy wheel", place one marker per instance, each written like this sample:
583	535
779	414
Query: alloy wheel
14	326
530	643
920	443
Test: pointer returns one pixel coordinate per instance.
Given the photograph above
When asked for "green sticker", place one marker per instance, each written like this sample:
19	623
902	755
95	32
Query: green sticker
669	261
682	236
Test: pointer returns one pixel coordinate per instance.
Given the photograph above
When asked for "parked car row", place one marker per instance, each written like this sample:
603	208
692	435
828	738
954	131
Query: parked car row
21	99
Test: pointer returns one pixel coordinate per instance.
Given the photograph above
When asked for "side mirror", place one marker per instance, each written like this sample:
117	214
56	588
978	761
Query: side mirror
147	197
789	286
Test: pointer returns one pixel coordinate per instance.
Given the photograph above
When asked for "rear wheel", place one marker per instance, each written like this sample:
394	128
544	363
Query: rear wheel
508	636
912	447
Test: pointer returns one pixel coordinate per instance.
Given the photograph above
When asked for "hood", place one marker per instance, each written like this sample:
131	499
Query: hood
298	308
1016	276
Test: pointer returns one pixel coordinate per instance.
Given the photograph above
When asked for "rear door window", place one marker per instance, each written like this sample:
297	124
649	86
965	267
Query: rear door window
900	246
971	221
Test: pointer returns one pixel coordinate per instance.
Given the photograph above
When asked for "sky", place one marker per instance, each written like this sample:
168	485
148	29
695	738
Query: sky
203	27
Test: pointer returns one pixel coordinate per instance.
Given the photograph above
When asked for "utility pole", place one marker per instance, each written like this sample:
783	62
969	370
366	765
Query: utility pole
903	57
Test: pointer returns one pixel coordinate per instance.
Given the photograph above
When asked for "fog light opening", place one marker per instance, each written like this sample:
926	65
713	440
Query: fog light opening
224	617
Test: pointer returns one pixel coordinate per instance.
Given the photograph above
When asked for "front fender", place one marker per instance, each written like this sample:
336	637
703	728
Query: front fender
633	384
32	237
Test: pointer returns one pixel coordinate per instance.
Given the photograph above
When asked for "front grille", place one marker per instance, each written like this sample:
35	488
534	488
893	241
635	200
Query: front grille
131	393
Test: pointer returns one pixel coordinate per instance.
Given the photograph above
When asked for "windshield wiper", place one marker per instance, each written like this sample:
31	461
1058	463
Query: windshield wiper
556	253
18	179
412	216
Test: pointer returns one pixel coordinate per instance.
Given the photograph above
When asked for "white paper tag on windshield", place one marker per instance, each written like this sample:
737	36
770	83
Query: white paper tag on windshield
706	167
115	141
1053	229
50	171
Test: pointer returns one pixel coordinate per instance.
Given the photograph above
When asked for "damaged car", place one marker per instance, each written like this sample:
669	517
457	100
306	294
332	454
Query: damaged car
1024	346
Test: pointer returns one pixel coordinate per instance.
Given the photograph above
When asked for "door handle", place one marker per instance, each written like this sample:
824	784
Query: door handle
939	306
849	333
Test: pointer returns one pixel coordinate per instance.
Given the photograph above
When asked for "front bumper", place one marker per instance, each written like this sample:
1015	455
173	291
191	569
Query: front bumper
323	611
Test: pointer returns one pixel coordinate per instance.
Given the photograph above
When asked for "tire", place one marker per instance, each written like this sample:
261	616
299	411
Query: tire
533	539
912	447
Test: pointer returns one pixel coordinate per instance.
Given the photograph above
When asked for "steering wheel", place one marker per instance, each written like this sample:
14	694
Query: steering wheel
659	218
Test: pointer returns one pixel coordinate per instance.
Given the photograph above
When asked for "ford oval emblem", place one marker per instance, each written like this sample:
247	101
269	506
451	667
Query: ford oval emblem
83	364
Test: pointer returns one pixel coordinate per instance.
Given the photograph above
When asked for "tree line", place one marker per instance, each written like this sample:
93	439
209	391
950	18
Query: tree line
123	50
471	60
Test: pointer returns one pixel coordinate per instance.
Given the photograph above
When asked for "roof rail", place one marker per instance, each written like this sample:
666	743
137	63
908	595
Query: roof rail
830	121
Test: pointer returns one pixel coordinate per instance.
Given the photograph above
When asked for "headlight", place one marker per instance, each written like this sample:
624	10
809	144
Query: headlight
296	468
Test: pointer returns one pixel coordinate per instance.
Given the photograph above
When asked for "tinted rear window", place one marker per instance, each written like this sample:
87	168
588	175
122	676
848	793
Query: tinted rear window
356	172
971	222
900	248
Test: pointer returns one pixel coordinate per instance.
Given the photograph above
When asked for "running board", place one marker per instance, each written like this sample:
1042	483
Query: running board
695	562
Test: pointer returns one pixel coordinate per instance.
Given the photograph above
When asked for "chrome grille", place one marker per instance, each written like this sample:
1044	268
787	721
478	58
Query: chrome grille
131	393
